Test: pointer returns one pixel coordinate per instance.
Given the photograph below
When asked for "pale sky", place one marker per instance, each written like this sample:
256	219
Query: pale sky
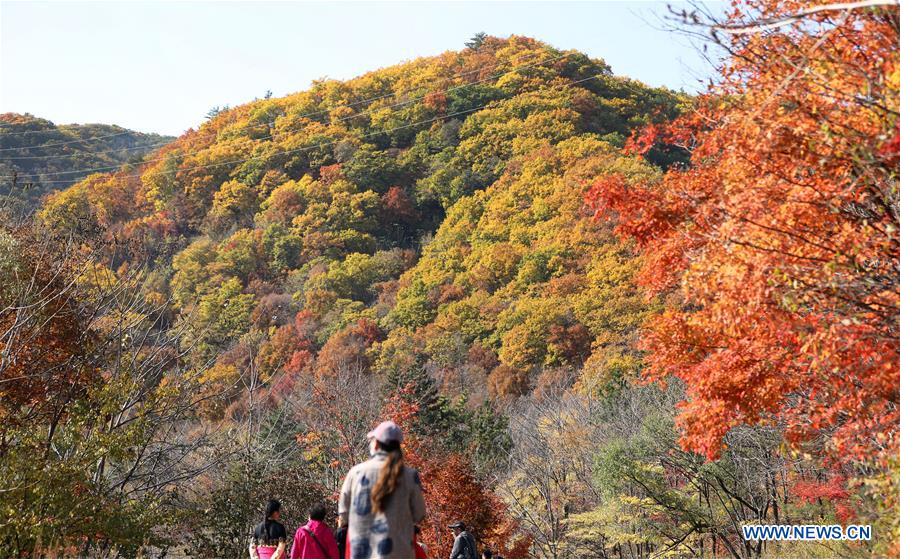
160	66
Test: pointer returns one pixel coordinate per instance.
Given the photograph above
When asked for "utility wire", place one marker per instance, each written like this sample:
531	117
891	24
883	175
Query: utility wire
361	101
307	115
323	144
264	124
342	119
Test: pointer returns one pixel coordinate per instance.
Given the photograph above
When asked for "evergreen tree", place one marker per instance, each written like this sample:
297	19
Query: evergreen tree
476	41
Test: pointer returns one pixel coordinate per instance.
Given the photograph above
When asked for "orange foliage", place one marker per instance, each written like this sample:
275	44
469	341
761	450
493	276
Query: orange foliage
436	101
346	350
572	342
834	489
453	493
779	242
399	207
505	381
290	348
44	345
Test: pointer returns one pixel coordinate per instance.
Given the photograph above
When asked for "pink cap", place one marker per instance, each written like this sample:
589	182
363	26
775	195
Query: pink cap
386	432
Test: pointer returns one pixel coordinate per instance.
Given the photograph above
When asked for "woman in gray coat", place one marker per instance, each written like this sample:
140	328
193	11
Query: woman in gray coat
381	500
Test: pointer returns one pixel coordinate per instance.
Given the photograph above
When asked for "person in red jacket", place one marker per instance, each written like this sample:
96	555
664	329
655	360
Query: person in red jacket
420	548
314	539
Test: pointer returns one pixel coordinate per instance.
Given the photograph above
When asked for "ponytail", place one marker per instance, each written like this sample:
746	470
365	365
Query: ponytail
388	477
272	507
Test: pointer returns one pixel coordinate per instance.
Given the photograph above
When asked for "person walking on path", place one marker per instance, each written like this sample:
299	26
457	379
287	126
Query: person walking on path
381	500
420	548
341	536
463	543
269	537
314	539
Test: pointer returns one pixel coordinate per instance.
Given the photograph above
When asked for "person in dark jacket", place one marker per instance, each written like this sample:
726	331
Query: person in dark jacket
269	537
463	543
341	536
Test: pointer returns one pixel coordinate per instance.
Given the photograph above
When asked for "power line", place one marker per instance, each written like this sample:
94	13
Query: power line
323	144
82	152
57	127
264	124
304	148
319	112
342	119
63	143
359	102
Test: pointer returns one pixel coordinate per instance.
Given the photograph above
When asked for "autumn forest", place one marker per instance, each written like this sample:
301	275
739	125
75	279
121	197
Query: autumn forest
613	320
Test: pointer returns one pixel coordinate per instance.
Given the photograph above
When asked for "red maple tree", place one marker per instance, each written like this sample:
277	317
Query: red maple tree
452	491
776	251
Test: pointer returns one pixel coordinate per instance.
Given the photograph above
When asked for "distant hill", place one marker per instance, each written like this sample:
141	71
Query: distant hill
441	199
47	156
441	242
422	227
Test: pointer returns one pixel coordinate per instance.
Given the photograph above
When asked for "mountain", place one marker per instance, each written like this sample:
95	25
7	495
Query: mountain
334	200
494	247
411	242
49	157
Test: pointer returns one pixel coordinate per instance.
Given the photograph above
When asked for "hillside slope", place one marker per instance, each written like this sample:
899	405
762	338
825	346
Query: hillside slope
49	157
323	198
413	237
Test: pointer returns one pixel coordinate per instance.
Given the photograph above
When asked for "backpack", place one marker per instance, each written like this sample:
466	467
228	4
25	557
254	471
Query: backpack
471	547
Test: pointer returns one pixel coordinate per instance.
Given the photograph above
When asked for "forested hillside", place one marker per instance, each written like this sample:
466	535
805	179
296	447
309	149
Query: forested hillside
48	157
440	242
